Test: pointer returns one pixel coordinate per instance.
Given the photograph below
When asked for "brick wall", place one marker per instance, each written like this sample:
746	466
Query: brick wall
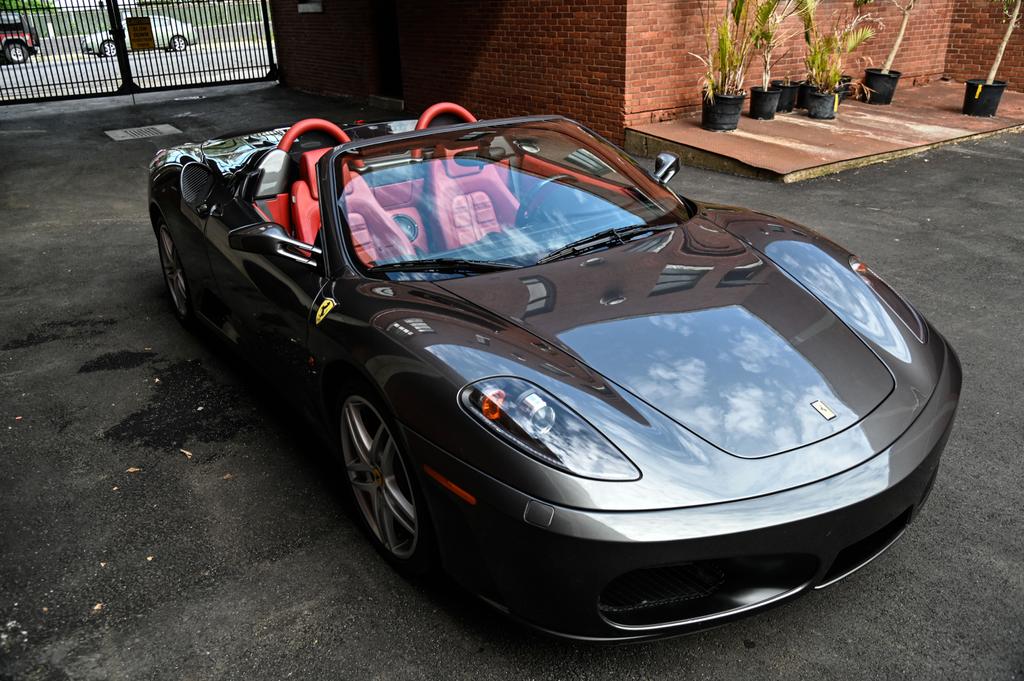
514	57
977	28
607	63
663	78
326	52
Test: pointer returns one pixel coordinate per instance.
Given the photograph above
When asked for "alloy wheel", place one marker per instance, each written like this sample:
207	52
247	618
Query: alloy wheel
174	274
178	43
379	477
108	48
16	53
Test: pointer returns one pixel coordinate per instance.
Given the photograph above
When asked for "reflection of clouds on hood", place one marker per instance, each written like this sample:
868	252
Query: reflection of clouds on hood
843	291
677	323
723	372
756	352
683	379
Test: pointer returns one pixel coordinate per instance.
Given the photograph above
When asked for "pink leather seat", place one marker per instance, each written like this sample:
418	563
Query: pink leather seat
472	198
402	199
375	236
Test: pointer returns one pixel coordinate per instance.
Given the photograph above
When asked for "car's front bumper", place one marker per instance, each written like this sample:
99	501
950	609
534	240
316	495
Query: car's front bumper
552	566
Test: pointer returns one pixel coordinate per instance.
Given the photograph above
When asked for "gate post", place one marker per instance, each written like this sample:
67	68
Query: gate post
272	74
128	85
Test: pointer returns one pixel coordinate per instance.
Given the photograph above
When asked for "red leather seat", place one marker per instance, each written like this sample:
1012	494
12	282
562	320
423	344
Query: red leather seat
472	198
306	198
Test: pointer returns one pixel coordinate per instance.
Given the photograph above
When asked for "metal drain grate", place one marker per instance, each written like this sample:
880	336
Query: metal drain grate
143	132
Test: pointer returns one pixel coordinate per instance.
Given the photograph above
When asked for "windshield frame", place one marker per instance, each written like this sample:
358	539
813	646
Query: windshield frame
340	246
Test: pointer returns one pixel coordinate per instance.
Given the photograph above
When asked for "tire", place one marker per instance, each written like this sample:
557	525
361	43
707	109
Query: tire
16	52
177	43
174	276
107	49
382	483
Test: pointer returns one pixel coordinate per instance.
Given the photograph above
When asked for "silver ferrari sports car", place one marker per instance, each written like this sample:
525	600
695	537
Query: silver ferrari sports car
611	411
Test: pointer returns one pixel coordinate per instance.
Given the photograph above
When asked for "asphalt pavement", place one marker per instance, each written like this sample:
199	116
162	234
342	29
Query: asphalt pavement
163	516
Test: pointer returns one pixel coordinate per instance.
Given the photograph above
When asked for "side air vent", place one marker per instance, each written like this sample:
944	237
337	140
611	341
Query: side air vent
196	184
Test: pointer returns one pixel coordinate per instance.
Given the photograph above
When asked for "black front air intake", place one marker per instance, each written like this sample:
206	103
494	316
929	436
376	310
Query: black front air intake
702	589
660	587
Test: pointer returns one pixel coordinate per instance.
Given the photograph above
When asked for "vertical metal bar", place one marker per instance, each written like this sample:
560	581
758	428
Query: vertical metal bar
272	71
114	14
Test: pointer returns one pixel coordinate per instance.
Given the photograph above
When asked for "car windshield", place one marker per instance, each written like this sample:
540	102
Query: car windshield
509	194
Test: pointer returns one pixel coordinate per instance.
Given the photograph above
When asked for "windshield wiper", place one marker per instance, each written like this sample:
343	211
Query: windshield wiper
606	237
443	265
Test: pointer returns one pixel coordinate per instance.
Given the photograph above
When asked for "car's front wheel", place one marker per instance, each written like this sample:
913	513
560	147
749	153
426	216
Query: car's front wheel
174	275
108	49
15	53
178	43
383	483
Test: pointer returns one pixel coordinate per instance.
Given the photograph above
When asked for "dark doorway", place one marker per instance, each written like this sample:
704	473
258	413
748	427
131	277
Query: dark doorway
389	59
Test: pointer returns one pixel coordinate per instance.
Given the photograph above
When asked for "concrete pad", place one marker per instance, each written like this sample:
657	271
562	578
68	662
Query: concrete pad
795	147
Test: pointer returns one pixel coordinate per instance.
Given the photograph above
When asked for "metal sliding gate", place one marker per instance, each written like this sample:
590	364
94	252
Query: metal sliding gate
64	49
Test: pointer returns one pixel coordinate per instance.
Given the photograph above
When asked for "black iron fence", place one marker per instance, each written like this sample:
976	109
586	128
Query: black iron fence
62	49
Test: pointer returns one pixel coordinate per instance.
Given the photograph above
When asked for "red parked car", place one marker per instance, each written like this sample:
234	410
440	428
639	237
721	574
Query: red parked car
19	39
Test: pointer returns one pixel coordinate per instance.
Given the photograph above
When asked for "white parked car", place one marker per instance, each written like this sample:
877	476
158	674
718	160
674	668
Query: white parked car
170	33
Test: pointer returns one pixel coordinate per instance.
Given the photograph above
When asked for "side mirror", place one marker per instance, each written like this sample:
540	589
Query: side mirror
666	165
269	238
196	183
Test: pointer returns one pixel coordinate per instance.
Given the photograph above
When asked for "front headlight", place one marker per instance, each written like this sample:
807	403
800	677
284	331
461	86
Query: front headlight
541	426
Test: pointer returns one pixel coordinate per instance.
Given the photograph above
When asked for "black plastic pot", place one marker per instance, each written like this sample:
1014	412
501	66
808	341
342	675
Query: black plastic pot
822	105
802	95
881	86
787	96
981	99
763	103
723	114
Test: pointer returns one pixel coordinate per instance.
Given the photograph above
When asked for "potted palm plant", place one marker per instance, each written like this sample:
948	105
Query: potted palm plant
729	42
881	83
769	19
826	54
981	97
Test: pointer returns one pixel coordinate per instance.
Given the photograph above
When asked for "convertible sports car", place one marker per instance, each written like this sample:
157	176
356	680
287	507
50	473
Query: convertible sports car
610	411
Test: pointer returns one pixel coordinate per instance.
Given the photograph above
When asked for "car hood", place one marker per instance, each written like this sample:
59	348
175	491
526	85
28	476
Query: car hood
703	329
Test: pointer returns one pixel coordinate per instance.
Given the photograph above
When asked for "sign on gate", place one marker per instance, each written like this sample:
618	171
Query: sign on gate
140	33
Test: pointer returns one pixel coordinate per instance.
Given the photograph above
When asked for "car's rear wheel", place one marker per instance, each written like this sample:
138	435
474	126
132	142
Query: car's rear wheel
178	43
16	53
108	49
383	483
174	275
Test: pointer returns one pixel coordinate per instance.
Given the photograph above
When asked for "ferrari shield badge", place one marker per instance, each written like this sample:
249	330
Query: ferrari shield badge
325	307
823	409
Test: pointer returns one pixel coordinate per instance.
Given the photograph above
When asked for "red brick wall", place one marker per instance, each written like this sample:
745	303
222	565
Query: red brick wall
607	63
330	52
977	29
663	78
514	57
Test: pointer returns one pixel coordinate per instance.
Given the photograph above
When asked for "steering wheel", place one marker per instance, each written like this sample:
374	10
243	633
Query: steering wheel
300	128
530	201
440	109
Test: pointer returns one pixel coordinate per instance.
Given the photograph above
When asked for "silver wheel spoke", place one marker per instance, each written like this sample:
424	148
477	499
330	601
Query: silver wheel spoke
384	521
400	508
378	477
360	438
